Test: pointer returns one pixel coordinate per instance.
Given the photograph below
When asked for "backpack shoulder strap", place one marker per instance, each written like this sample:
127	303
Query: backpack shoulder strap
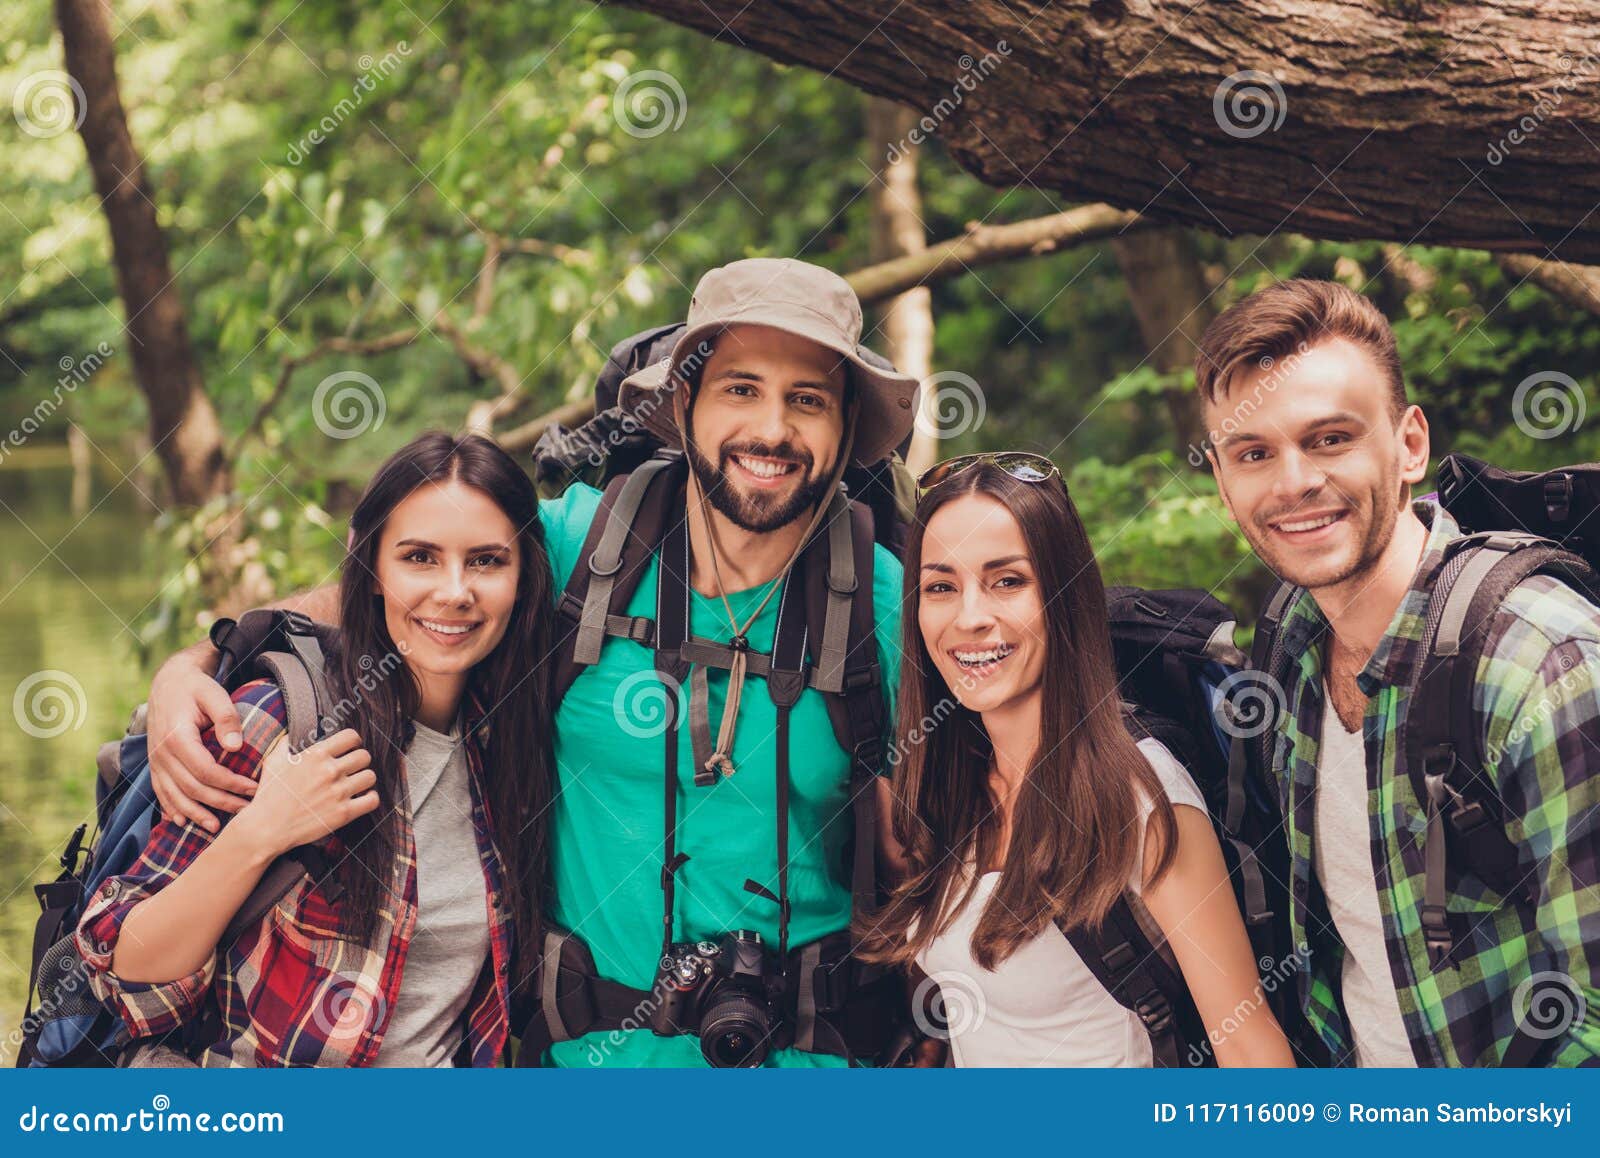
1252	745
1443	743
841	619
301	675
625	532
1141	979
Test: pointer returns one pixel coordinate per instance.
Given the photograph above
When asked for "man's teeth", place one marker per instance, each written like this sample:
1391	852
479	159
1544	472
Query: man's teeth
446	629
1309	524
978	658
764	468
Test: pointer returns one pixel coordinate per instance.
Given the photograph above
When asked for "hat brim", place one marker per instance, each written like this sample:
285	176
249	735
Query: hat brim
887	400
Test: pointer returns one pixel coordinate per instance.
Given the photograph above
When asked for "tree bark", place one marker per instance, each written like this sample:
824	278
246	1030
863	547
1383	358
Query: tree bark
1172	303
1464	124
183	425
897	231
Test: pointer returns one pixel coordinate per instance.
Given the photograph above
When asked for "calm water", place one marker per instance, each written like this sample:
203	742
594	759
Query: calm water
71	590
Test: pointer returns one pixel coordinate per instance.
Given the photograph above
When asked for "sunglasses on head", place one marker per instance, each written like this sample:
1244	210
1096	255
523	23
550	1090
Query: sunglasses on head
1024	467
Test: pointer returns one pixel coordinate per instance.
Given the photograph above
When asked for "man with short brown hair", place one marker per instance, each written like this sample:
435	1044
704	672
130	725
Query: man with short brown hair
1315	450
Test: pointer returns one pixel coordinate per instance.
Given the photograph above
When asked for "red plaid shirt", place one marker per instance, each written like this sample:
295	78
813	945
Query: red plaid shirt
292	991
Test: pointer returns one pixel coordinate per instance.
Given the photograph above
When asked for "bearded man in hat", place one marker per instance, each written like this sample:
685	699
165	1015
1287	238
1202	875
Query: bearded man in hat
768	397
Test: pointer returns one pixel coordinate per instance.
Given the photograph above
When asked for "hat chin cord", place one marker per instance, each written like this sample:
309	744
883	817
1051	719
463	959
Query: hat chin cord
721	760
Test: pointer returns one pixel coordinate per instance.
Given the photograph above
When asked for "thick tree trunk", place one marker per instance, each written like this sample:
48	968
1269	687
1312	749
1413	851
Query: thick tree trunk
1464	123
1172	303
183	425
897	231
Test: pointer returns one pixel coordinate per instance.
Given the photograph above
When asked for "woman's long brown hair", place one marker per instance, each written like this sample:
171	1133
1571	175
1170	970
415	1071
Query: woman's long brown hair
1074	843
510	682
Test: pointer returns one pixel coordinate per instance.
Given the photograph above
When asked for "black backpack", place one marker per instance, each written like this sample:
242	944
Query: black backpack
613	443
66	1025
1517	524
1185	683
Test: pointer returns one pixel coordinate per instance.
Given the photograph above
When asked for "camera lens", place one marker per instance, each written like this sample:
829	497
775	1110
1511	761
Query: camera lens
735	1031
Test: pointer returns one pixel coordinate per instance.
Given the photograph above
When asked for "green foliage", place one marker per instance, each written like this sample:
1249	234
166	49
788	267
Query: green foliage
329	170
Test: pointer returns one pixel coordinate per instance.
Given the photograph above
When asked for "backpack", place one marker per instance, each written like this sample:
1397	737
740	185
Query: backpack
1185	683
613	443
1517	524
67	1026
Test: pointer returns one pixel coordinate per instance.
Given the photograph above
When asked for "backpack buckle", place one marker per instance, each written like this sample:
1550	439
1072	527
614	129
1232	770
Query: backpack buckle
1558	498
855	681
1154	1010
1436	933
74	849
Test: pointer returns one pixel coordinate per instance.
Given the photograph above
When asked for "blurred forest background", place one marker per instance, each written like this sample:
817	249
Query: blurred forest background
465	206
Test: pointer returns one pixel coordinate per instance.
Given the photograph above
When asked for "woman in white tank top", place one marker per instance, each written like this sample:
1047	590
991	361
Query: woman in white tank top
1021	804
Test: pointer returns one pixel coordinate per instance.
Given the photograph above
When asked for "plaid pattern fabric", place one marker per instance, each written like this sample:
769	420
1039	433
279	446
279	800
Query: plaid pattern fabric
293	991
1536	698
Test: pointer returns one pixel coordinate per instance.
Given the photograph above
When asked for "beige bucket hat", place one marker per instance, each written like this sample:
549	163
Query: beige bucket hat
801	299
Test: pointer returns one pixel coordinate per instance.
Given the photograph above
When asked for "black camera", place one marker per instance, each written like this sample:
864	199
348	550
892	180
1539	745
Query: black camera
727	993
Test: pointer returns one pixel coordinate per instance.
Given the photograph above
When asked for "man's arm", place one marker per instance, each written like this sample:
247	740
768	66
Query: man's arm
185	699
1549	778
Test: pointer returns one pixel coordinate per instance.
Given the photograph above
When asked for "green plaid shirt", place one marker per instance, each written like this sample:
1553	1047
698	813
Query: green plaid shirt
1537	700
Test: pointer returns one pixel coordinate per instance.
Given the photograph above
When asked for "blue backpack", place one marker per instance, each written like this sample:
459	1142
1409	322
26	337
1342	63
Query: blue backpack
64	1024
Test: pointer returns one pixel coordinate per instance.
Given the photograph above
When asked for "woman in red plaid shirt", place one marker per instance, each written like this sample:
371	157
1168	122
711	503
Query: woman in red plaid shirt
402	954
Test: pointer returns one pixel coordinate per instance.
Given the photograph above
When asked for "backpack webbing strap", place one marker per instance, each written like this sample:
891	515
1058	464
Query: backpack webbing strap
1137	976
859	714
1443	745
301	676
841	587
1267	657
614	523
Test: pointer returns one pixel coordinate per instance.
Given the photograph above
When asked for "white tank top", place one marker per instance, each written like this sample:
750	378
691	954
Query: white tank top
1042	1006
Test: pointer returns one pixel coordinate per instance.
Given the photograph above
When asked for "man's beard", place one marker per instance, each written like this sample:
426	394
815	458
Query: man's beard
1374	525
758	513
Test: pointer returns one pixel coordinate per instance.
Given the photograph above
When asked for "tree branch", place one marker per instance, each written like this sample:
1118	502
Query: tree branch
984	245
1577	285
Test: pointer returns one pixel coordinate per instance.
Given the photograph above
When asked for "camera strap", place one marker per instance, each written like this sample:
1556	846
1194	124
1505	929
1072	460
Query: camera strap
786	677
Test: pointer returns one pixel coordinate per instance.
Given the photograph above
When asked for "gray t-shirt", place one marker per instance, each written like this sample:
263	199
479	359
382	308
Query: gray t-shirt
451	942
1342	856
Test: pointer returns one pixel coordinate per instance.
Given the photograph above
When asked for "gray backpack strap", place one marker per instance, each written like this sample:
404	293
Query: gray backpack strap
830	665
1443	742
606	560
301	675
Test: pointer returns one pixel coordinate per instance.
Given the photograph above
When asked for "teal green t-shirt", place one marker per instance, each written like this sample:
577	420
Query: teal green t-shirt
607	823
